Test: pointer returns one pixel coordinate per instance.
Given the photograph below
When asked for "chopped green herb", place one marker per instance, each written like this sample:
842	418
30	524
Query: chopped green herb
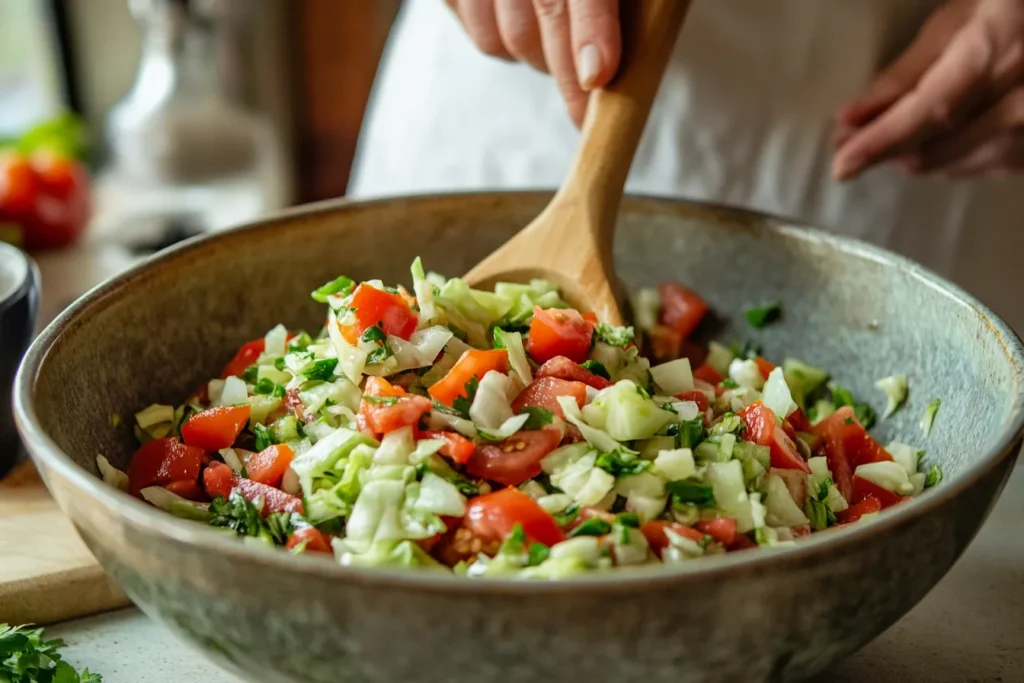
266	386
567	516
596	367
499	337
538	417
461	404
729	383
929	416
235	512
537	553
322	370
517	534
25	657
623	535
374	334
301	341
341	285
594	526
691	433
379	355
279	363
614	336
381	400
629	519
250	374
762	315
747	350
729	424
934	476
264	439
619	464
842	397
706	541
685	491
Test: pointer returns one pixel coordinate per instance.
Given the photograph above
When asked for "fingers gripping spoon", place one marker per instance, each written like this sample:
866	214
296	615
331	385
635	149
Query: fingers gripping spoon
570	242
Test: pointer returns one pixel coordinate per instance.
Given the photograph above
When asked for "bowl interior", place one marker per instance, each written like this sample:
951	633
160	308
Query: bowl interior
154	335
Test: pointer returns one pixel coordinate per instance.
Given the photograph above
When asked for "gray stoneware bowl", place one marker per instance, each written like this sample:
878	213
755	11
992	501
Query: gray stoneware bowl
157	331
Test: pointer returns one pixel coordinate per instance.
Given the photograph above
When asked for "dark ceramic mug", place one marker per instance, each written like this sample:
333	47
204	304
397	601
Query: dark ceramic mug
19	301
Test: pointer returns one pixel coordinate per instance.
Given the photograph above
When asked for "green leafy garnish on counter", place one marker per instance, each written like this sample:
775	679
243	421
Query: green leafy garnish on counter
25	657
929	416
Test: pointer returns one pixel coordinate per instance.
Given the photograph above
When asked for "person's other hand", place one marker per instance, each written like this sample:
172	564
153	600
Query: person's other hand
578	41
953	103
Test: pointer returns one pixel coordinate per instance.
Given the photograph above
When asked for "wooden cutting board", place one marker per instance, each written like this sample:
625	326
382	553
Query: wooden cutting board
46	572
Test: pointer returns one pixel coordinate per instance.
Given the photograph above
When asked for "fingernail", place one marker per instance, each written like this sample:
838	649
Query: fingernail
845	169
589	66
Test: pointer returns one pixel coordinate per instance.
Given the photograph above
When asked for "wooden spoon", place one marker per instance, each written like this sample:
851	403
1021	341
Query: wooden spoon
570	242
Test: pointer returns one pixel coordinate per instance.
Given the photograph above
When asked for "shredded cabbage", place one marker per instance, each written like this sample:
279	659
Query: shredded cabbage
673	377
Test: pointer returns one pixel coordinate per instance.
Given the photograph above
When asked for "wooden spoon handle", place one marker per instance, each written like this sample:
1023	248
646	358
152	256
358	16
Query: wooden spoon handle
617	114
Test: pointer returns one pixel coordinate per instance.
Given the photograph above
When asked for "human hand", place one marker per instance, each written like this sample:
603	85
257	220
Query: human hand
578	41
952	103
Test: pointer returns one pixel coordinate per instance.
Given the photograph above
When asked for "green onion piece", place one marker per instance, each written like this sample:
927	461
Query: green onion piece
929	416
595	526
341	285
596	367
762	315
684	491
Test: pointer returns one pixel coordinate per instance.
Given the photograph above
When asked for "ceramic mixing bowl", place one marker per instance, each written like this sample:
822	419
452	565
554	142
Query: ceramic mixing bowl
157	331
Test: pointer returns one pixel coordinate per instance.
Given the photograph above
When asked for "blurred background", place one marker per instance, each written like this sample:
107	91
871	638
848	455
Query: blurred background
128	125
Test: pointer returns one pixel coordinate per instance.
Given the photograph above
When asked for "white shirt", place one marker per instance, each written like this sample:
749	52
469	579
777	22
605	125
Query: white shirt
743	118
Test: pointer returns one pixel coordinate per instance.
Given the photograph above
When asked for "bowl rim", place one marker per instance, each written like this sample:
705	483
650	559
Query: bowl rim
141	515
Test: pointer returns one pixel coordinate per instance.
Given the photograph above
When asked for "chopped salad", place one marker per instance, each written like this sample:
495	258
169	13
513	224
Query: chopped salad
506	434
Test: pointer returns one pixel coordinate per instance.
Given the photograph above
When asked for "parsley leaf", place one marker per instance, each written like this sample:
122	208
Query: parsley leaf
618	464
461	404
595	526
614	336
567	516
322	370
762	315
264	439
538	417
537	553
690	433
379	355
746	350
499	337
374	334
25	657
245	518
267	386
250	374
684	491
842	397
341	285
596	367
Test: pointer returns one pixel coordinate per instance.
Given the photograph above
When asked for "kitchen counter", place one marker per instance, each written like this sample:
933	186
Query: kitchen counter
969	628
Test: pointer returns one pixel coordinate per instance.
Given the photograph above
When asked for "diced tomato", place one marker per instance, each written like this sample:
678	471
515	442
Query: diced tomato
681	309
493	516
722	529
801	531
471	363
219	480
742	542
457	447
515	459
563	368
765	366
215	428
799	421
855	512
697	396
847	446
864	489
654	532
788	429
246	356
269	465
375	307
762	430
590	317
385	408
544	393
315	540
161	461
588	512
559	332
186	488
708	374
664	342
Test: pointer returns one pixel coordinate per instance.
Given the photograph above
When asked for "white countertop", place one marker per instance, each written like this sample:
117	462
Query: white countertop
969	628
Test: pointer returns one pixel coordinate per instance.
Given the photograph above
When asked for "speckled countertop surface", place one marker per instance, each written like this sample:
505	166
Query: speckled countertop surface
970	628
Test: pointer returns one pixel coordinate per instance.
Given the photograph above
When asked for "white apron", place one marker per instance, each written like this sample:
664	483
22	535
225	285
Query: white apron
743	118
